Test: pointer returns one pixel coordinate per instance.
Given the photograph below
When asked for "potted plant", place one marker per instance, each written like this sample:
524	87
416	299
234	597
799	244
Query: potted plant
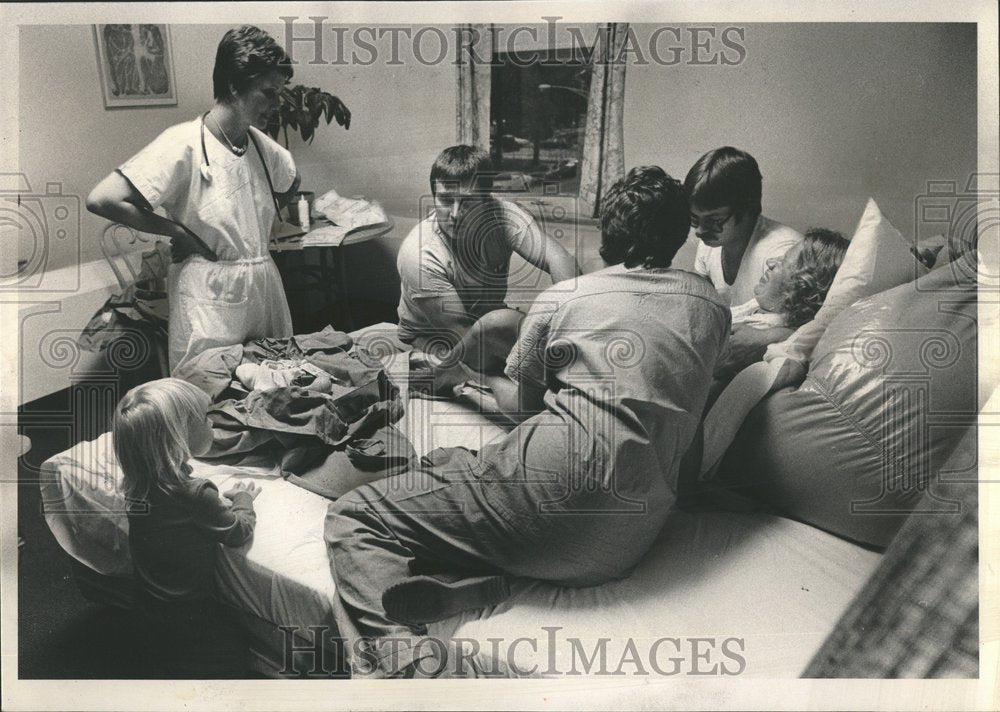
301	108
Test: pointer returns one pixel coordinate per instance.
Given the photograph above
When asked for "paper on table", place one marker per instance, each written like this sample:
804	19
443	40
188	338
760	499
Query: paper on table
325	235
285	235
347	212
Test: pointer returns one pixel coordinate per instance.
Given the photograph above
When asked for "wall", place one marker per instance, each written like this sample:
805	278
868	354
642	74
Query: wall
67	136
833	114
401	117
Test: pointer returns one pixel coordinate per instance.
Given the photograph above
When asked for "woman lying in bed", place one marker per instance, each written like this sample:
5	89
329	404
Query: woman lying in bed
788	295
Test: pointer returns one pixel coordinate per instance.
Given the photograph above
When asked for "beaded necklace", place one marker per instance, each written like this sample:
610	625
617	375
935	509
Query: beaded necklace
232	146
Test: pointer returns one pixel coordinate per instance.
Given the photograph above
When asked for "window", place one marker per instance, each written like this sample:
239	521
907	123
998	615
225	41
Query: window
538	113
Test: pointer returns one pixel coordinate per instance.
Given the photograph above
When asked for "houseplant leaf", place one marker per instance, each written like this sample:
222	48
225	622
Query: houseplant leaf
333	107
301	108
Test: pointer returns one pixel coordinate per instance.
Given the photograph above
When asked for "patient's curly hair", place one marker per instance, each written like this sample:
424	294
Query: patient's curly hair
809	278
644	219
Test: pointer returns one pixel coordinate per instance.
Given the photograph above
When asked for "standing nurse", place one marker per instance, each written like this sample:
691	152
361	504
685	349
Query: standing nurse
220	180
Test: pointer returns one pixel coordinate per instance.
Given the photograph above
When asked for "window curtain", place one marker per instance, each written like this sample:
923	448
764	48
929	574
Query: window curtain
473	115
603	144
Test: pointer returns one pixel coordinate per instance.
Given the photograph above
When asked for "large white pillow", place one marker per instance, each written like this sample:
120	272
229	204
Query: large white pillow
878	259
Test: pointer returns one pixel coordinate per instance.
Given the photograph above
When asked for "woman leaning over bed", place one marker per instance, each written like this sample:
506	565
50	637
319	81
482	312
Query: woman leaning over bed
611	377
219	178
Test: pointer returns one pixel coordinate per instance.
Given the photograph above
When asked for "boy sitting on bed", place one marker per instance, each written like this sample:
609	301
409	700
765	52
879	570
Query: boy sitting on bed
609	380
453	266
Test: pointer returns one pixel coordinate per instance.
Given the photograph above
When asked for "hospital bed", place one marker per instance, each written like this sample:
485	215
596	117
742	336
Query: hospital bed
720	593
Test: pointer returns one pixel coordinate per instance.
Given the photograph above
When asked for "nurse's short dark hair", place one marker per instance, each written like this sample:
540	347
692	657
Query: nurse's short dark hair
463	165
244	53
644	219
725	178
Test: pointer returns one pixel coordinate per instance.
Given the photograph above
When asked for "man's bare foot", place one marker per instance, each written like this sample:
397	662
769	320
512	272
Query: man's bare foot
429	379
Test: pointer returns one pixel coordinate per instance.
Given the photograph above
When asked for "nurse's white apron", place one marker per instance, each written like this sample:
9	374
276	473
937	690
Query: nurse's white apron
224	303
240	297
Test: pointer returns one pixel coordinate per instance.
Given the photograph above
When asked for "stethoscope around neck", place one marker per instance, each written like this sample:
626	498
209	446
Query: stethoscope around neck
206	167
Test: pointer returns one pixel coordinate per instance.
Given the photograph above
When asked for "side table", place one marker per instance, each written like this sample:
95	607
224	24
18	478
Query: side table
330	274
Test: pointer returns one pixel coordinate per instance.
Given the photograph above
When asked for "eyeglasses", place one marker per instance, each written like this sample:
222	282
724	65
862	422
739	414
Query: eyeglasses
710	224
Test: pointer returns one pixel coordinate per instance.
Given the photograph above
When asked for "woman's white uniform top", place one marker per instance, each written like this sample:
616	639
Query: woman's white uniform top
240	297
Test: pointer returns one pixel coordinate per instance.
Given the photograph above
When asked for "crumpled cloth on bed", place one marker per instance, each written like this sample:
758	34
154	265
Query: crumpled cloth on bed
332	473
213	369
330	427
141	306
280	373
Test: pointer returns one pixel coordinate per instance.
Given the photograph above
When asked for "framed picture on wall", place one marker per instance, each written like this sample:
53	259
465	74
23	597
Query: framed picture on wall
136	65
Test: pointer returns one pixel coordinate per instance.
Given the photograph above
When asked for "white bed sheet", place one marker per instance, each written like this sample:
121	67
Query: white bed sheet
764	588
776	584
275	576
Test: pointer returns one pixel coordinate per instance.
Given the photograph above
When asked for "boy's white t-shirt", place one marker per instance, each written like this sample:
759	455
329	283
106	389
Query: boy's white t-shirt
769	239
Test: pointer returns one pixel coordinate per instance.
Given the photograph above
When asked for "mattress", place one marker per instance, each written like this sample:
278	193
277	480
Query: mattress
719	594
275	576
747	594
